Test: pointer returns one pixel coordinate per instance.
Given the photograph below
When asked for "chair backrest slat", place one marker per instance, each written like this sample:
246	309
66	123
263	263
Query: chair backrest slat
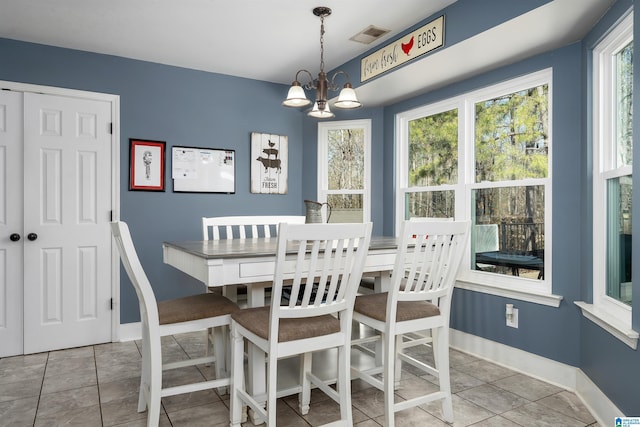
429	256
236	227
326	269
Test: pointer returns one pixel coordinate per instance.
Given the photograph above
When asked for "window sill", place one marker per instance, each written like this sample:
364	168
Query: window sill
614	327
536	298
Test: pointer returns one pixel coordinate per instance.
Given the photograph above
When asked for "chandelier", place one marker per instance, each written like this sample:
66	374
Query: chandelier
297	98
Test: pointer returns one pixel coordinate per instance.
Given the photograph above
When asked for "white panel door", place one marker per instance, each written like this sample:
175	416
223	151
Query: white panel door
11	217
67	207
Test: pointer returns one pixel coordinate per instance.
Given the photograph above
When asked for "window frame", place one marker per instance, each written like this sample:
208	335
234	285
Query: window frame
604	127
532	290
323	166
402	156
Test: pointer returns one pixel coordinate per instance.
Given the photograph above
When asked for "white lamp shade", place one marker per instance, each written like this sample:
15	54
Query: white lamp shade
321	114
296	97
347	99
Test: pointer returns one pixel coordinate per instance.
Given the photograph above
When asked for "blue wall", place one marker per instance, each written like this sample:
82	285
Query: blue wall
182	107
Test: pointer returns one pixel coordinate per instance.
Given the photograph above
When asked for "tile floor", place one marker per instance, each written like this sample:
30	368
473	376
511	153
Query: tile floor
98	386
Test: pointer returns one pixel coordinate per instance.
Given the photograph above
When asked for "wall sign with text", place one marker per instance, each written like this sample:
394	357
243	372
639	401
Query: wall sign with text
269	163
415	44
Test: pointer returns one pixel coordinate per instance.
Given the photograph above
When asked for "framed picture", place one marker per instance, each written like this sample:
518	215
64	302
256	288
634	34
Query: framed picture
269	163
146	165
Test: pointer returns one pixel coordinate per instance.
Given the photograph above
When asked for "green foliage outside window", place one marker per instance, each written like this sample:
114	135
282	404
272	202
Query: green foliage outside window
433	149
512	135
511	144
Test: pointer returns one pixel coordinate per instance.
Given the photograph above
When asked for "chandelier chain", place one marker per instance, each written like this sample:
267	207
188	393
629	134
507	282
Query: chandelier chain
322	43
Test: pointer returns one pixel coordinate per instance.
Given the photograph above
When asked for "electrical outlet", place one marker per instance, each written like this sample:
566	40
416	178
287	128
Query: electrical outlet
512	319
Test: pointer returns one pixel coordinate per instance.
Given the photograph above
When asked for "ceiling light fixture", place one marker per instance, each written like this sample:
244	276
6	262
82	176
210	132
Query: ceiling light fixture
296	97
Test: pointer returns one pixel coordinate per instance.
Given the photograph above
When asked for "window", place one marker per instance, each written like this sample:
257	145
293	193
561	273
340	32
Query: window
344	158
486	156
612	179
432	167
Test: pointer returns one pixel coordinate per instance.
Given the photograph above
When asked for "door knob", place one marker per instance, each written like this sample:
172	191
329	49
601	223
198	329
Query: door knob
32	236
14	237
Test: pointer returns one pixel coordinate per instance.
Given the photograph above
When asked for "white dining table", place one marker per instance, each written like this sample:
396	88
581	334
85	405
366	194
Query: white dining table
251	262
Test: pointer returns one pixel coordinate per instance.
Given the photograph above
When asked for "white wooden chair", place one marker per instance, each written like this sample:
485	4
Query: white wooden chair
368	284
240	227
313	318
419	300
159	319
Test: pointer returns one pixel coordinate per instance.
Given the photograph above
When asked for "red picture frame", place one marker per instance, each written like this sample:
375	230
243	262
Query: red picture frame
146	165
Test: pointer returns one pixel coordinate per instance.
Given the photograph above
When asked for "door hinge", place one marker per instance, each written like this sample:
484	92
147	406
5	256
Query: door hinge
111	303
110	216
111	128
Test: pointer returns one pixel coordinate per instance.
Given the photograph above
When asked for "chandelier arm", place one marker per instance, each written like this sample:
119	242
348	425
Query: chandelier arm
311	83
332	85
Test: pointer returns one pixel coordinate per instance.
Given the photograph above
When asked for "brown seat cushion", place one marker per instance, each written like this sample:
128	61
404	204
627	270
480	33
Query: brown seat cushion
257	319
375	306
194	307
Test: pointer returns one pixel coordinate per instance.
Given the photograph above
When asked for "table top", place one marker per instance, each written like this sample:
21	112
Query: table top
245	248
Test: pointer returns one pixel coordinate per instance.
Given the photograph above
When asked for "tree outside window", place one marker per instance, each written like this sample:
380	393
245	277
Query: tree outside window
433	162
346	172
343	169
511	145
485	156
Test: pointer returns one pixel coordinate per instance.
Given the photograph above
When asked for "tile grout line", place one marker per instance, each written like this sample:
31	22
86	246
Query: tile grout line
95	366
44	373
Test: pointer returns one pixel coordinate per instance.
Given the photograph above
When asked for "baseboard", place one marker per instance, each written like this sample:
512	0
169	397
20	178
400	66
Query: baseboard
129	332
600	406
535	366
560	374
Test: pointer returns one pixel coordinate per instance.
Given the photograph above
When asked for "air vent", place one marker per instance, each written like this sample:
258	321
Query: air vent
369	34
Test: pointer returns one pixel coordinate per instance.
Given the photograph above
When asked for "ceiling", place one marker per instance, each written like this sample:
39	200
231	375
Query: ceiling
271	40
